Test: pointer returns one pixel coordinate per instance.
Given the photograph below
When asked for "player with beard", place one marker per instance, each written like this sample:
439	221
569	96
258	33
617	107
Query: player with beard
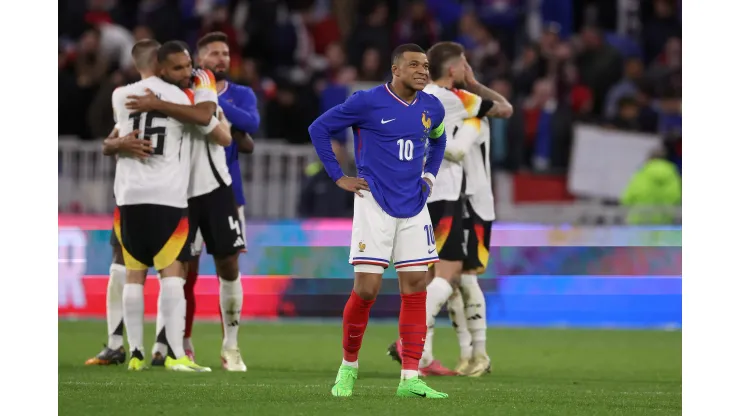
214	217
151	220
461	209
239	106
144	55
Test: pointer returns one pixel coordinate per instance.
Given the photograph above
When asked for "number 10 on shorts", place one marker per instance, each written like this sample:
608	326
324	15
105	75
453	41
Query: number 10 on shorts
430	235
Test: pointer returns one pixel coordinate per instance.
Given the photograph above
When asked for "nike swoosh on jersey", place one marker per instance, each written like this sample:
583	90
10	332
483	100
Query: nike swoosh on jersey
383	121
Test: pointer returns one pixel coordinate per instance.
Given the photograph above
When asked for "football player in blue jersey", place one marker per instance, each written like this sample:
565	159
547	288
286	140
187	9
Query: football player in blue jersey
392	125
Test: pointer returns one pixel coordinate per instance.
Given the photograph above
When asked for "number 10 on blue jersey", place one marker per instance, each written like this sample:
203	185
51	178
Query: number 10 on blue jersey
405	149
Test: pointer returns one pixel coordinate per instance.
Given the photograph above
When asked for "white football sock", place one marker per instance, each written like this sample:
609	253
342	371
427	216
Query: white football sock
350	363
114	305
172	305
456	310
159	346
231	296
133	315
438	291
475	311
407	374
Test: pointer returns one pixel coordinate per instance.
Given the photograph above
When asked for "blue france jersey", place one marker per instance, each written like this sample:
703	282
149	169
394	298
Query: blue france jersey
240	107
390	137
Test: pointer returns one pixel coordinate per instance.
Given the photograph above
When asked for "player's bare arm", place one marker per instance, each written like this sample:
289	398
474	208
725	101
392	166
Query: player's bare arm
244	141
221	135
200	113
129	145
501	108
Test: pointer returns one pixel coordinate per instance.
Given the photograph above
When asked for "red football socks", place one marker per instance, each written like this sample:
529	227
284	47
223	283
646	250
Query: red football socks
412	327
190	302
354	322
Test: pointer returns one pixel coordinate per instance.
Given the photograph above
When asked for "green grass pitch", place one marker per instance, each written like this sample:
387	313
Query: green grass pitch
292	366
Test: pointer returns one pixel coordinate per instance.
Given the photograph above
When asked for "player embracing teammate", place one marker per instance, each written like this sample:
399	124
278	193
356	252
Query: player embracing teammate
213	213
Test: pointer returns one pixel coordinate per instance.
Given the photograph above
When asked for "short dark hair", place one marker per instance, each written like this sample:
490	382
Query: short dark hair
440	55
144	52
406	47
169	48
211	38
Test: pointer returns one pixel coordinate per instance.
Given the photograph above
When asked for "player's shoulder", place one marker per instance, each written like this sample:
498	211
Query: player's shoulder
120	93
239	89
464	95
431	100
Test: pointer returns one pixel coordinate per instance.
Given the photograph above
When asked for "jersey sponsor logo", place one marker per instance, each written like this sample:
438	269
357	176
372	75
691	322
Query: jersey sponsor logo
384	121
239	241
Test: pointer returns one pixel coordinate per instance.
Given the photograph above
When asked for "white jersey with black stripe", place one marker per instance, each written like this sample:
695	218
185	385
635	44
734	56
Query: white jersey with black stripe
161	179
209	169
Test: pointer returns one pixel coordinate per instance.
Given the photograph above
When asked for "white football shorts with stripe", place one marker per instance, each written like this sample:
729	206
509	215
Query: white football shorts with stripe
379	239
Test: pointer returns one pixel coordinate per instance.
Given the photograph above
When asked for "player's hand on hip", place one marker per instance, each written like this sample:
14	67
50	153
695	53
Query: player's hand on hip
142	103
131	145
353	185
429	187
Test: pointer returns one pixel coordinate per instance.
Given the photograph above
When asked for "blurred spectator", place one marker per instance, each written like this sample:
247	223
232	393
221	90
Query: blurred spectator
324	29
163	17
627	117
663	25
649	115
90	65
504	17
576	93
288	116
501	132
370	69
142	32
218	21
372	32
657	184
633	71
486	55
528	67
417	26
599	64
665	70
467	27
115	44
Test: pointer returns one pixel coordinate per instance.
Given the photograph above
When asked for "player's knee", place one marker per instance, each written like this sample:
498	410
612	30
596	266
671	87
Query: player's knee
118	255
228	267
367	284
136	276
413	279
176	269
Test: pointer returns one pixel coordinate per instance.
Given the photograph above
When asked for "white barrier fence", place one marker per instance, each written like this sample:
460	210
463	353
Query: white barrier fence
272	178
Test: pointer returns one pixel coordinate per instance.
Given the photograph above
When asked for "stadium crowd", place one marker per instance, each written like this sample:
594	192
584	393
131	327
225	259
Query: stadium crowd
617	64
